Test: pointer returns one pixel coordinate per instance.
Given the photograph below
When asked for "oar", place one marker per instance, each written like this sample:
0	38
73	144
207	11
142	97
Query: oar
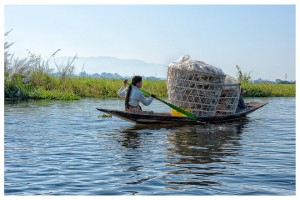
188	114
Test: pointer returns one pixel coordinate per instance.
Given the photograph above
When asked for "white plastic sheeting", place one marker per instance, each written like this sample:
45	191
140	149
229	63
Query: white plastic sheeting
185	63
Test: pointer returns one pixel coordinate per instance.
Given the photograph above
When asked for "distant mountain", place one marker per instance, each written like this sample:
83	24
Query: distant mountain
112	65
112	76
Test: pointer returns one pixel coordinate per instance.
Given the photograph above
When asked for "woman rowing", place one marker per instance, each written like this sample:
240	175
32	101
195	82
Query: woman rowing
133	96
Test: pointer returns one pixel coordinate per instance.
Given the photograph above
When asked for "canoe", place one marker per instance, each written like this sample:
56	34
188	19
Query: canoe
167	118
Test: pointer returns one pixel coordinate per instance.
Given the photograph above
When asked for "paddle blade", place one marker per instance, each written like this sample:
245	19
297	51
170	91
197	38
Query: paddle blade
188	114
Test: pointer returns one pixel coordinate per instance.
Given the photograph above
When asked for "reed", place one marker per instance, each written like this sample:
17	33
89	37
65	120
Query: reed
30	77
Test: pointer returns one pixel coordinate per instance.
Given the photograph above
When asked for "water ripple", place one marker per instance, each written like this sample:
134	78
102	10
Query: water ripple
64	148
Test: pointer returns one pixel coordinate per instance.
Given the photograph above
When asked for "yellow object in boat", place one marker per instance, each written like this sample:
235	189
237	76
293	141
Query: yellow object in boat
176	113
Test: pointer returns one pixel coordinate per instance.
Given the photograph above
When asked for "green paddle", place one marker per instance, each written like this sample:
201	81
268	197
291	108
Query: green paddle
188	114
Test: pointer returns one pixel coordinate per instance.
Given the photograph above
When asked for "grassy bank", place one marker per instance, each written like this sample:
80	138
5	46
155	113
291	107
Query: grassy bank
269	90
44	86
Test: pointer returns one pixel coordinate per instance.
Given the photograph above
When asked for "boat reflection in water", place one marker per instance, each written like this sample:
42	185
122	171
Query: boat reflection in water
205	143
201	154
193	156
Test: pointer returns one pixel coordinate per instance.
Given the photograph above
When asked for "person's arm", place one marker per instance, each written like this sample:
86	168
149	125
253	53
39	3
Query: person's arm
144	100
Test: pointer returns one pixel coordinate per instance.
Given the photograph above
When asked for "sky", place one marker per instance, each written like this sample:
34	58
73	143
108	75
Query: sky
258	38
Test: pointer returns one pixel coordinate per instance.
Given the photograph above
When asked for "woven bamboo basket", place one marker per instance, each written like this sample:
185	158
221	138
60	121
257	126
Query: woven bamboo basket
195	91
229	98
201	89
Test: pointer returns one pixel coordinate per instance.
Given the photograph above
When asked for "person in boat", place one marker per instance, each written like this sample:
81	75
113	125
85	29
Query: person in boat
242	105
133	96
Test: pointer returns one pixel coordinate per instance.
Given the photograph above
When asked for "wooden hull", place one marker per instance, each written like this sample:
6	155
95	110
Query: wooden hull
166	118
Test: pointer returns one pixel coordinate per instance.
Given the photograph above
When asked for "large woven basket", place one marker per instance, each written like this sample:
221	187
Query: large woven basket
229	98
195	91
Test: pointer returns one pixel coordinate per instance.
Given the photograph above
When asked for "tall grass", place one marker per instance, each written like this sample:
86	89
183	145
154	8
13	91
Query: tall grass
108	88
264	89
269	90
30	77
43	86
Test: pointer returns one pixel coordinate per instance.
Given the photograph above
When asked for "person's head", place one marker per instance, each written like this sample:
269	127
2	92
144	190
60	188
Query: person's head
243	91
137	81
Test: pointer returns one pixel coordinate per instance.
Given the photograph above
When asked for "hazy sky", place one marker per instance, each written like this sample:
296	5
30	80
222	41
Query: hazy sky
259	38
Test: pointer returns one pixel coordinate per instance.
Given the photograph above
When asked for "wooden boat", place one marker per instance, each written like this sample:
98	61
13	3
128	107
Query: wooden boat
166	118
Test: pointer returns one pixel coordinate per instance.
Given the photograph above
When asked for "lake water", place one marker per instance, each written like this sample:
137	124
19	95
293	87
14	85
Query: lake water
65	148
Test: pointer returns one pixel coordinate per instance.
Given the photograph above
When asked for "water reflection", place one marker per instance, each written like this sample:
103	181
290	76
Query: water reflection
205	143
193	155
130	140
201	153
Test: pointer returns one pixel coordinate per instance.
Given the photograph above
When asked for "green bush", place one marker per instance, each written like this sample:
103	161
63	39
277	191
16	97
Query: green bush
40	93
15	88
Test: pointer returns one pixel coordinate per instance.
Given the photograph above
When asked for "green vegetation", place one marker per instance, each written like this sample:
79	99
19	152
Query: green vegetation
264	89
242	77
40	87
269	90
43	86
105	115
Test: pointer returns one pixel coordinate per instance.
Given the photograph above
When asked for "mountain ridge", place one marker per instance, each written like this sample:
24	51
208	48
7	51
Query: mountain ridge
110	64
